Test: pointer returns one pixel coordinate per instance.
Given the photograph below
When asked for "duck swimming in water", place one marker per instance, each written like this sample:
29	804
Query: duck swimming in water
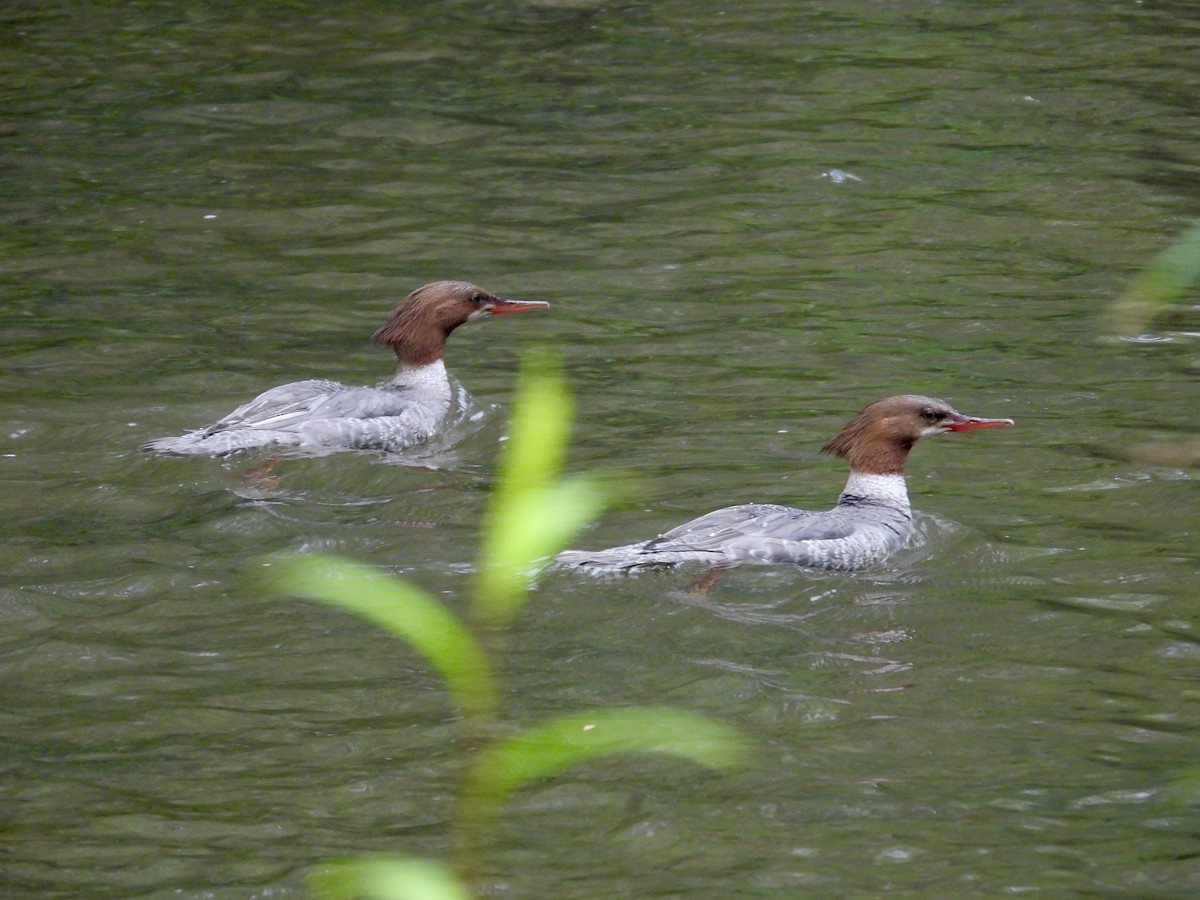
871	521
324	415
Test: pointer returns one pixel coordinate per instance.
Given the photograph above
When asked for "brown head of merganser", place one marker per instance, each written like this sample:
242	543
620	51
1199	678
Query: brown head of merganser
327	415
872	518
422	321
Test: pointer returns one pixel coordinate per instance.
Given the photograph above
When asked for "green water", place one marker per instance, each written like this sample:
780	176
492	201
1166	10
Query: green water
203	200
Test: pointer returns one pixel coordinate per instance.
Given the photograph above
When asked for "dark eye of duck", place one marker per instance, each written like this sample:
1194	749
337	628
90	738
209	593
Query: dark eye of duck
932	415
477	297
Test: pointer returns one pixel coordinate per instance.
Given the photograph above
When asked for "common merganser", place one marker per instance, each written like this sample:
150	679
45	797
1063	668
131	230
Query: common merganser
327	415
872	518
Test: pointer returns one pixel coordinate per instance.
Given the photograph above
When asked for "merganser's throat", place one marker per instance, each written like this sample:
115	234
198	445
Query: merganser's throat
884	490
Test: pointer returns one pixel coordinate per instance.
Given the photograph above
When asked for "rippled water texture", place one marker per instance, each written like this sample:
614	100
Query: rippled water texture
200	201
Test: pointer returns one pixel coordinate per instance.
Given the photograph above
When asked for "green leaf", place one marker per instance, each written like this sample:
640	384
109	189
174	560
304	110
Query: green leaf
1167	277
532	515
386	878
555	745
529	527
538	430
402	609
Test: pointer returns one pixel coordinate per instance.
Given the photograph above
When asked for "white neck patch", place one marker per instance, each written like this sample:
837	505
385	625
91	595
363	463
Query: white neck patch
428	378
889	489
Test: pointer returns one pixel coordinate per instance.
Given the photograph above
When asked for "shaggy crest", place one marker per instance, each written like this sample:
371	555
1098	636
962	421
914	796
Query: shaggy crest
421	322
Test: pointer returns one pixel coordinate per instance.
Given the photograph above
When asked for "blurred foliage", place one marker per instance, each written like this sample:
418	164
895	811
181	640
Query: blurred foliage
533	514
387	878
1171	274
544	749
406	611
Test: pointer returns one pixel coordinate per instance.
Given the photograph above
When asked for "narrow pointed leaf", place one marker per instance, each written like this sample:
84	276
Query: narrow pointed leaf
555	745
402	609
1168	276
532	514
534	525
386	878
538	430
